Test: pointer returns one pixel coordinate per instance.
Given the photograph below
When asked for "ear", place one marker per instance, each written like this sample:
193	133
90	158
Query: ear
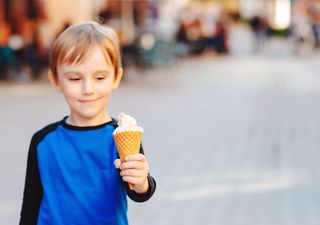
54	81
117	80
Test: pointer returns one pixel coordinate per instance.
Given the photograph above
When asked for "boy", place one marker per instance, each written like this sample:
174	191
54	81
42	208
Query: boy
73	174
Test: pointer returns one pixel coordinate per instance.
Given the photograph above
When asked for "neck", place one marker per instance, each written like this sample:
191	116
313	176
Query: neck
78	121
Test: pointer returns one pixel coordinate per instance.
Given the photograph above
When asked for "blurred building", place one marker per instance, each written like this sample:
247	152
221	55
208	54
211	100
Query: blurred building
58	13
276	12
28	27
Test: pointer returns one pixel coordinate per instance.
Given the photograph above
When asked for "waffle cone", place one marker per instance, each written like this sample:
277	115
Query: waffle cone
128	142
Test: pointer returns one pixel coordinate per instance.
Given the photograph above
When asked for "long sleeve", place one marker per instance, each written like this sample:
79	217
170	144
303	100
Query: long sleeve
137	197
142	197
33	190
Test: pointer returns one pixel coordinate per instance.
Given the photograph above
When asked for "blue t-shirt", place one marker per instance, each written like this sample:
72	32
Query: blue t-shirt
81	184
78	181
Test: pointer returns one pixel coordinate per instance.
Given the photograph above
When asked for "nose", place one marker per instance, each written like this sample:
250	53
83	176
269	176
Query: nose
87	88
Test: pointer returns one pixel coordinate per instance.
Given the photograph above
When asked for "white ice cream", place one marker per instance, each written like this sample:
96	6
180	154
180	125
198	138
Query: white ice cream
126	123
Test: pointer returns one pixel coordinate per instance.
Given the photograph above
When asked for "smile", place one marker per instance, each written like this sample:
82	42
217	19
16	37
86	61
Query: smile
88	100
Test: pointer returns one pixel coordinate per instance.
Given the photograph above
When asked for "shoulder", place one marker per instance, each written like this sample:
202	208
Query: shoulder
40	134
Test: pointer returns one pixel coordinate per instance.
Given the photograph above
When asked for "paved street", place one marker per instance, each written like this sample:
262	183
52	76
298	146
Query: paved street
230	140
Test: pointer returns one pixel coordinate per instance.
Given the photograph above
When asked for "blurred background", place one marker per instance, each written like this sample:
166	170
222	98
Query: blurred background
227	92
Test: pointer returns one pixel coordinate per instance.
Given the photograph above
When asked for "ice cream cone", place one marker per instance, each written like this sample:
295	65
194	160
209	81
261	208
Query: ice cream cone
128	142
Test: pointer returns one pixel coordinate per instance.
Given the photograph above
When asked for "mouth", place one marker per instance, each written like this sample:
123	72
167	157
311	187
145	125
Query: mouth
88	100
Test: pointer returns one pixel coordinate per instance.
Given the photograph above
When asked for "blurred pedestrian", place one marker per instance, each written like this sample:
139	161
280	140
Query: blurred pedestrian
301	29
73	172
259	28
6	53
314	12
221	36
189	33
37	48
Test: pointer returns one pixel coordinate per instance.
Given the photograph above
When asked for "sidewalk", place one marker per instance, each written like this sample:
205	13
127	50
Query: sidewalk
231	140
231	145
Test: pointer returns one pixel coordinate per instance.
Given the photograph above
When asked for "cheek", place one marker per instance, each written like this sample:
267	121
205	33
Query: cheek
105	89
70	91
106	92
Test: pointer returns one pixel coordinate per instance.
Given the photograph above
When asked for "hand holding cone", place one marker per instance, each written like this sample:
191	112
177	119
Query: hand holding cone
127	137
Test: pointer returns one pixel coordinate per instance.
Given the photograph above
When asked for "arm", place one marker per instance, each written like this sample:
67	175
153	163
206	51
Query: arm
135	170
33	191
142	197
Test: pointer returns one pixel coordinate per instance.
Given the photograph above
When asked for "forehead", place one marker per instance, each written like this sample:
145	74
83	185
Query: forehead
79	56
93	59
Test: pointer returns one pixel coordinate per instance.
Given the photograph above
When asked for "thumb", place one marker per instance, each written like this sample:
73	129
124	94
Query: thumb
117	163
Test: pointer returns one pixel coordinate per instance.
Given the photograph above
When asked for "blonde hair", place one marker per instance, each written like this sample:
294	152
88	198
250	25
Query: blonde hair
76	43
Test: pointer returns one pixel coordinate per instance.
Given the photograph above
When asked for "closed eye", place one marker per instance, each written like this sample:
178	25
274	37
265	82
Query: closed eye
74	79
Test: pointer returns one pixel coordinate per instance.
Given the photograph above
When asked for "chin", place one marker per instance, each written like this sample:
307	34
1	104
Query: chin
87	115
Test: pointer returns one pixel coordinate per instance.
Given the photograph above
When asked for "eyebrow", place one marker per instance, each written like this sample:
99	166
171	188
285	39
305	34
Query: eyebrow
71	72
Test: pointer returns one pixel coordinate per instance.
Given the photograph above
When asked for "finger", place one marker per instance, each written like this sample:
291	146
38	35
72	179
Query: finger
132	180
135	157
133	165
117	163
133	173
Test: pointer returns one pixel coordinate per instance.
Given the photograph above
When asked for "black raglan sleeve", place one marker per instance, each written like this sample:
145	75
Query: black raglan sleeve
33	190
137	197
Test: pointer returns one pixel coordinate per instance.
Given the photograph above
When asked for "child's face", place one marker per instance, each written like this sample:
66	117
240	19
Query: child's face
87	87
